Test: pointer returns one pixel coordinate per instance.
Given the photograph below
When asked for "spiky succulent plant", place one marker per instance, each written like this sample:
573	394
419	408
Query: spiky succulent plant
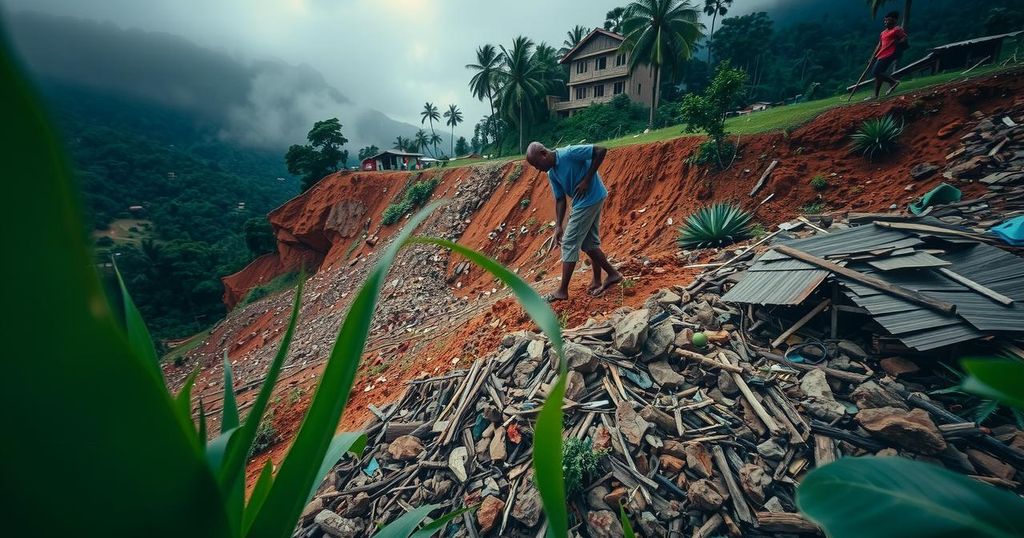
877	137
714	226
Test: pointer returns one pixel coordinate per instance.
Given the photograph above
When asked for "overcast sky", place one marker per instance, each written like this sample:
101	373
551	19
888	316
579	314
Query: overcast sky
390	55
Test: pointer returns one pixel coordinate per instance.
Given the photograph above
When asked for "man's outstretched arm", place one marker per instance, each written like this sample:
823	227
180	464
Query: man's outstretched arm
595	162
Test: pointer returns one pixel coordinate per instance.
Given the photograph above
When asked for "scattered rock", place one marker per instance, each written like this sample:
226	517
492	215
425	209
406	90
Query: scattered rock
659	341
912	430
820	402
753	480
704	495
340	527
631	424
575	386
727	384
991	465
698	460
489	512
497	449
771	449
897	366
631	331
870	395
527	508
580	358
664	375
923	170
595	498
405	448
949	128
604	524
671	464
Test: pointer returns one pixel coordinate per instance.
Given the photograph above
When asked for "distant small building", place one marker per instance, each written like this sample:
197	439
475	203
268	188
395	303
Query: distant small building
598	71
393	159
759	106
135	208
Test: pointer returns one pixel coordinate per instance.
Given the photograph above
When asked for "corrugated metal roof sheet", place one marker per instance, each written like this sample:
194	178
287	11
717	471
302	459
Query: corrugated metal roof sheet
779	280
910	261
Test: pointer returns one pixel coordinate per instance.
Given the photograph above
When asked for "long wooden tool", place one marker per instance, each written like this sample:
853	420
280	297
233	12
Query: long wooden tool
861	79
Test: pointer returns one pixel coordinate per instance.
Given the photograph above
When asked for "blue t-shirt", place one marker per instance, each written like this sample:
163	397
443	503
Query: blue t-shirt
571	164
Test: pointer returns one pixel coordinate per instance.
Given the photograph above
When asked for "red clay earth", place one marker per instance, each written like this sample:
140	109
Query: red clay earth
648	184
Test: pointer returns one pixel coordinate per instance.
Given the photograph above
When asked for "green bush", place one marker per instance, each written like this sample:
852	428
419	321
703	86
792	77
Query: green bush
706	112
414	197
819	182
716	225
516	172
524	203
711	153
579	461
812	208
877	137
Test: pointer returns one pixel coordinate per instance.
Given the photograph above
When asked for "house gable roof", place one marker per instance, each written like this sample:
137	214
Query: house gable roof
596	31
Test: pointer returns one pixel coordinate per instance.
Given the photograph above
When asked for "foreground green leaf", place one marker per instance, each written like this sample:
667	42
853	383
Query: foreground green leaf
89	410
901	498
342	443
440	523
547	439
138	334
229	415
996	379
627	527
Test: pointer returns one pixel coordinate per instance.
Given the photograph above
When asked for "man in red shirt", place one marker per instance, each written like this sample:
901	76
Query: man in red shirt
890	45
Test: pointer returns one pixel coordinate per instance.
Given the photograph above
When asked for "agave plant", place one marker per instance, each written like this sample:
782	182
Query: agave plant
877	137
714	226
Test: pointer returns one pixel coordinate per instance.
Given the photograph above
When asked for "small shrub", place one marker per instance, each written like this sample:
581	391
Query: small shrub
579	461
708	153
819	182
758	230
877	137
517	171
716	225
415	196
266	434
524	203
812	208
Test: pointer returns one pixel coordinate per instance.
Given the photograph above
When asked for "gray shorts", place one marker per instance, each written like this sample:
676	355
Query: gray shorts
582	231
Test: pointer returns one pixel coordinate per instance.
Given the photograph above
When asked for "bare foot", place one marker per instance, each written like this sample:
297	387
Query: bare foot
612	280
556	296
593	287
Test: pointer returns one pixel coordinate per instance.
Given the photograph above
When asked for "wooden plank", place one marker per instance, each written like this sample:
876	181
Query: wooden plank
868	280
707	361
785	522
764	177
990	293
739	502
801	322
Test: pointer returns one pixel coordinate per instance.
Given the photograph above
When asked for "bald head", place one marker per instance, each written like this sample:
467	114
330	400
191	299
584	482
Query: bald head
539	156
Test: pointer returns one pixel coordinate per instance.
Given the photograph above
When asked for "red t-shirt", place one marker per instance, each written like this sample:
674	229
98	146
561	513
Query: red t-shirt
889	38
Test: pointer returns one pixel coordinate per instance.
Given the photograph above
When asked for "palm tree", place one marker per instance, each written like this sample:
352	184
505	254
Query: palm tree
875	5
613	19
453	117
551	73
488	71
435	139
660	33
421	140
429	113
522	82
715	8
402	143
574	36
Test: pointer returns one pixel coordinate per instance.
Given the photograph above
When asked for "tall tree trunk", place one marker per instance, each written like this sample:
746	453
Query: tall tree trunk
906	13
497	136
452	141
654	97
520	124
711	36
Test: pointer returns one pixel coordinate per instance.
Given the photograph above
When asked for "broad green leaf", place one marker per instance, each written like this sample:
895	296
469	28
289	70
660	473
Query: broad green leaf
547	460
218	447
258	495
996	379
405	525
627	527
229	416
234	465
901	498
85	409
298	470
138	335
440	523
183	401
342	443
547	440
202	424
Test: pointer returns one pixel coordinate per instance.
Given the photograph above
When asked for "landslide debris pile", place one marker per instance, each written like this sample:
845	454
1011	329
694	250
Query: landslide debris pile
701	441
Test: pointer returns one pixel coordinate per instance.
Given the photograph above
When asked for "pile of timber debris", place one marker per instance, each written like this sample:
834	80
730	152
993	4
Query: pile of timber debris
700	440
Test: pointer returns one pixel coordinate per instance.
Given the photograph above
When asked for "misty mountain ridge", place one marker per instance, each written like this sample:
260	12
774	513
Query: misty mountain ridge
266	104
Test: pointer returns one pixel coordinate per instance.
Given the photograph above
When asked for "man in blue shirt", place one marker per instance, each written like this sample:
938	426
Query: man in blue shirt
572	172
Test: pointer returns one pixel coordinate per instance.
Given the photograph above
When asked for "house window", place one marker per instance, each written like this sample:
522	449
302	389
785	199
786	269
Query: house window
620	59
581	67
581	93
600	63
618	88
599	90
